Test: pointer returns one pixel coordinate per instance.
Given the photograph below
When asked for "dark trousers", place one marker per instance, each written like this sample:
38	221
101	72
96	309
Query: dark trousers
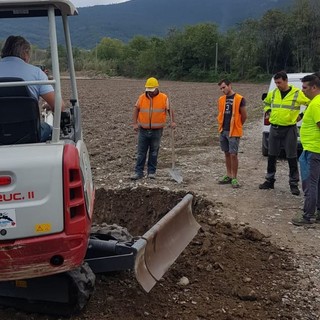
148	141
283	137
310	176
293	170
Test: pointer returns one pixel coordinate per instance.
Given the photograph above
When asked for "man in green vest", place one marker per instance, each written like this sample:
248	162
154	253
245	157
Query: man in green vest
283	103
310	157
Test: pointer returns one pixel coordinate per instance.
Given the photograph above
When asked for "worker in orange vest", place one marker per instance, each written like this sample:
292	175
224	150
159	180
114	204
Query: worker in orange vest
232	115
149	119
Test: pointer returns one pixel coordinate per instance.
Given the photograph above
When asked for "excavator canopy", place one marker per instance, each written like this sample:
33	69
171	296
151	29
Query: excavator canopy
37	8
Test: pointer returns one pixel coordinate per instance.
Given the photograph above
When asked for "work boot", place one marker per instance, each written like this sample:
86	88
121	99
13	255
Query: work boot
267	185
136	176
300	220
295	190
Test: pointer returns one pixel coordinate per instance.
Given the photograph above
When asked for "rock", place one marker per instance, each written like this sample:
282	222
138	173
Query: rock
184	281
247	294
209	267
252	234
275	297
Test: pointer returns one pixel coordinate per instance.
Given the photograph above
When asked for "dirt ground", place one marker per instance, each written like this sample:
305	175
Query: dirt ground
247	262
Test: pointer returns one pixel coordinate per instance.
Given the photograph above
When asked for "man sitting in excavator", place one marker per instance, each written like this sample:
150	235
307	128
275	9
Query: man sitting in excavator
15	55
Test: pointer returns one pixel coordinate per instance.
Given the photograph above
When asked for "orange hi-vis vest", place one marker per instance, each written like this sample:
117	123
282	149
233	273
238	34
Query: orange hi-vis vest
152	111
235	122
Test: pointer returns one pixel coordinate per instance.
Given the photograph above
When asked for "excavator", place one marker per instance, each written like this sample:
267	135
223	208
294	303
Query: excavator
50	252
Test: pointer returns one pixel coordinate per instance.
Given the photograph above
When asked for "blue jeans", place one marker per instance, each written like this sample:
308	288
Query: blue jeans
46	131
148	140
310	176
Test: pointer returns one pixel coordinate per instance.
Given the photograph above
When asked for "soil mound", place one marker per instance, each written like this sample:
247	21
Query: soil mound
227	272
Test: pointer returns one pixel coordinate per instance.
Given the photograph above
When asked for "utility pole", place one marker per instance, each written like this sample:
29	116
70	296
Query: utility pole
216	62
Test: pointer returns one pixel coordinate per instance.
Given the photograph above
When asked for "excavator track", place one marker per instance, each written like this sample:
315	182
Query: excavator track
62	294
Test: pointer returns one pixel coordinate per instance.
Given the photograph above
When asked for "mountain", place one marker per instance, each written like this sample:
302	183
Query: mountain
143	17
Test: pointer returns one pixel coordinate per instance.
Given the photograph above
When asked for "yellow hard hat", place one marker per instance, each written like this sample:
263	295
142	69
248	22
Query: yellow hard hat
151	84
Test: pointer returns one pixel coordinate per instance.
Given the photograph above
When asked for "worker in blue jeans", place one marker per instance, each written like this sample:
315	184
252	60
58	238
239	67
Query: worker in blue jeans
149	119
148	140
310	157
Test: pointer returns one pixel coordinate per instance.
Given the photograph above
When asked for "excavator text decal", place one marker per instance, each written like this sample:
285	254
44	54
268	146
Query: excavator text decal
16	196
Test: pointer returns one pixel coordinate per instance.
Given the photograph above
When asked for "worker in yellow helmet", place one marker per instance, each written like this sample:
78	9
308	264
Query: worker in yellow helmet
149	119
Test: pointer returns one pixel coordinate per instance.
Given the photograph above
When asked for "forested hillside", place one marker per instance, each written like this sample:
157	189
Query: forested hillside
157	17
144	17
253	49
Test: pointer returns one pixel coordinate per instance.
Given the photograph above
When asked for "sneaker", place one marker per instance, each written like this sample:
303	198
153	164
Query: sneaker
235	184
136	176
151	175
225	180
267	185
295	190
300	220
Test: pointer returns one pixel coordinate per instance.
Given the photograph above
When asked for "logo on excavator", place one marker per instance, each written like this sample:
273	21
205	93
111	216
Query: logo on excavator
6	220
16	196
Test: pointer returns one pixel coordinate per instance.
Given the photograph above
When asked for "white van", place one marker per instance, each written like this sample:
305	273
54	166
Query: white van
295	80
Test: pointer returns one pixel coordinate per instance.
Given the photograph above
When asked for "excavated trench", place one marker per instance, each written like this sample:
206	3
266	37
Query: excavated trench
227	272
138	209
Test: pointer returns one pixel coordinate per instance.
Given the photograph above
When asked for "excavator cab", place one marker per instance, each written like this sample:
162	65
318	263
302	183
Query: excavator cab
47	197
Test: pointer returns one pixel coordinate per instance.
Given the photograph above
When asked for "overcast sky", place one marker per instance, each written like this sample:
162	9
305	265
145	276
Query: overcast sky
86	3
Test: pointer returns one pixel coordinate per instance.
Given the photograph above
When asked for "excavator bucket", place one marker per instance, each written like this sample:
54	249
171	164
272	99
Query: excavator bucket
160	246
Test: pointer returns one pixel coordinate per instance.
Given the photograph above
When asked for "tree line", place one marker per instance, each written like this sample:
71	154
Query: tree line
254	49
